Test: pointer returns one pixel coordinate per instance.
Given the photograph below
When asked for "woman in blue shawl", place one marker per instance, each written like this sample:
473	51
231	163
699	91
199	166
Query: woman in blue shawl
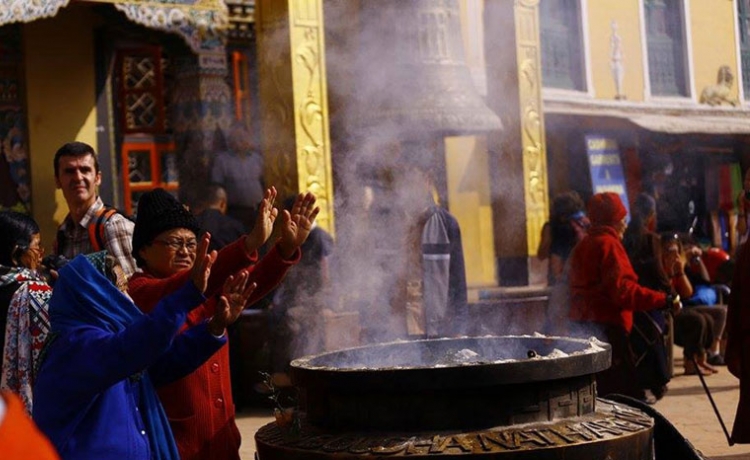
94	396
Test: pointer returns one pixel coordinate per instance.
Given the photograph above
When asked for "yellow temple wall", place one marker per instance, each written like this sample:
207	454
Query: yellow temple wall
714	42
467	169
469	202
627	15
711	43
61	101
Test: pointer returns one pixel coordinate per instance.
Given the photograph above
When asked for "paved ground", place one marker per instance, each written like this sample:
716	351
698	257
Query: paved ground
685	405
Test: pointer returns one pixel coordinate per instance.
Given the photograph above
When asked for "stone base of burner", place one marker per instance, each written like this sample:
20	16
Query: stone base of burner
614	432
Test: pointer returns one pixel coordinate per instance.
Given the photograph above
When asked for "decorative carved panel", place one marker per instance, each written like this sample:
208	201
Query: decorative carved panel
141	90
311	106
532	120
295	100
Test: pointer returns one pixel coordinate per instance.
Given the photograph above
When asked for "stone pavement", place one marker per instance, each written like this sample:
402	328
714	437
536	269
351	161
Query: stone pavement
685	405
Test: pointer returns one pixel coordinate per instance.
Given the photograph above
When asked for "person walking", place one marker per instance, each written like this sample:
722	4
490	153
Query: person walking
604	292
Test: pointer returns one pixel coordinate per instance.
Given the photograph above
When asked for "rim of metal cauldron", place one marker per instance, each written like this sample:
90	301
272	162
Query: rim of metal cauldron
594	357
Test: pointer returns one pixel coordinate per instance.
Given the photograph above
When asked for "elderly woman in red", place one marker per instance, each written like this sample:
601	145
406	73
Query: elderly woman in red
604	292
199	406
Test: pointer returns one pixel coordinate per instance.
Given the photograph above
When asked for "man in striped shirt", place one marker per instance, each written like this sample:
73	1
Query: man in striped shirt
86	229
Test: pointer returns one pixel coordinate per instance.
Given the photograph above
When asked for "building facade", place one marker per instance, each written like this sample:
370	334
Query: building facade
663	84
145	83
659	85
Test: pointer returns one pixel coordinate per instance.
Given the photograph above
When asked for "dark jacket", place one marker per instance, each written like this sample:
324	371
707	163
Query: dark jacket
223	229
738	342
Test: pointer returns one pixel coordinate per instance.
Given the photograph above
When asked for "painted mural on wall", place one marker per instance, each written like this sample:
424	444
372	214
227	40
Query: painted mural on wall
14	160
201	23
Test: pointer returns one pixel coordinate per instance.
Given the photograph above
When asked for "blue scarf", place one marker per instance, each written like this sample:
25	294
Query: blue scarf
84	296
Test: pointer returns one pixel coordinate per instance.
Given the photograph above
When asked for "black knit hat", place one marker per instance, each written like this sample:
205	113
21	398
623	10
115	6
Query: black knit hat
159	211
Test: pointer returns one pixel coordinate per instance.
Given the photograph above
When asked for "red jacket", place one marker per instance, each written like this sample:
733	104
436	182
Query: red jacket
603	286
200	407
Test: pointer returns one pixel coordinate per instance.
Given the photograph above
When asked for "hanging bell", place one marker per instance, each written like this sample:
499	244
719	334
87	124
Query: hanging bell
413	74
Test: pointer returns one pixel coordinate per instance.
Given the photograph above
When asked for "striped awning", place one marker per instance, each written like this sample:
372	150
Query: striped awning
202	23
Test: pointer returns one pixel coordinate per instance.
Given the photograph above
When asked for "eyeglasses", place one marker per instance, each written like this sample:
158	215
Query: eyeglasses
176	245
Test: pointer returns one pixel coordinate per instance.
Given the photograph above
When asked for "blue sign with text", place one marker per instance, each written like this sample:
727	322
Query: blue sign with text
605	167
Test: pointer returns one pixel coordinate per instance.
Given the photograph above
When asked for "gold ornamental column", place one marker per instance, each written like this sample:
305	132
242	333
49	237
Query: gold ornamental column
294	100
517	154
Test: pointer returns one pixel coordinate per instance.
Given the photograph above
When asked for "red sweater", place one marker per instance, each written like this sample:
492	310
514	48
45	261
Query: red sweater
200	407
603	286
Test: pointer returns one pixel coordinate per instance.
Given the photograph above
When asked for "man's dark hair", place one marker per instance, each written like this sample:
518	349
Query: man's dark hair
75	149
210	195
565	205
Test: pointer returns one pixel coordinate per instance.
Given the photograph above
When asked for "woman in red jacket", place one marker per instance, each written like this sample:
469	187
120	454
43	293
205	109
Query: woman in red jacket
200	407
604	292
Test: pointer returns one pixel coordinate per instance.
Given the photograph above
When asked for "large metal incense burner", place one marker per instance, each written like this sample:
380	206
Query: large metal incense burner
511	397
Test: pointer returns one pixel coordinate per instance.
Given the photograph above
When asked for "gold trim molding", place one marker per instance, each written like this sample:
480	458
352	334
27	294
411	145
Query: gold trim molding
311	105
294	94
533	142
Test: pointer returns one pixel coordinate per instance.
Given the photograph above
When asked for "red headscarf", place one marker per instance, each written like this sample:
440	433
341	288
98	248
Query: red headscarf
606	209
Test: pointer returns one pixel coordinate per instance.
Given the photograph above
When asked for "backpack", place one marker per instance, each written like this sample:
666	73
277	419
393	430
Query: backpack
95	228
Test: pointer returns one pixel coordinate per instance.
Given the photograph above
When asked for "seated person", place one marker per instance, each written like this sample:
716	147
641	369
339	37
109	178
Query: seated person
695	329
696	269
701	269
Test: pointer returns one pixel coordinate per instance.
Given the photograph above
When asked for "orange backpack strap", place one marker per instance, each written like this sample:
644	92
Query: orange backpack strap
96	227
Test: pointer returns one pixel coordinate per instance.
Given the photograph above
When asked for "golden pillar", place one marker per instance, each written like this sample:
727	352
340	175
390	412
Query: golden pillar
294	100
518	154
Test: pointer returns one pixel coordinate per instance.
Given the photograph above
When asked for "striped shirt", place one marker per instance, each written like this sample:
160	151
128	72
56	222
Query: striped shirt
118	237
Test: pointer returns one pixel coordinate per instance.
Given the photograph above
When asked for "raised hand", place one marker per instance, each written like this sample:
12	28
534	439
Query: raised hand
674	263
234	296
264	221
203	261
297	224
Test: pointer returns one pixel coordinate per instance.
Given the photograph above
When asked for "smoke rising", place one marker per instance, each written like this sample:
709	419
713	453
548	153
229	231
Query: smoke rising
396	88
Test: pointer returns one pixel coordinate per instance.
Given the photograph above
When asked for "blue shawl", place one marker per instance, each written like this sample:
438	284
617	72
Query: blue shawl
84	296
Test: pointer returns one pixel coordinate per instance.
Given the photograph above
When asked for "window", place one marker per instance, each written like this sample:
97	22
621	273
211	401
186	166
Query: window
562	44
148	155
743	16
666	47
